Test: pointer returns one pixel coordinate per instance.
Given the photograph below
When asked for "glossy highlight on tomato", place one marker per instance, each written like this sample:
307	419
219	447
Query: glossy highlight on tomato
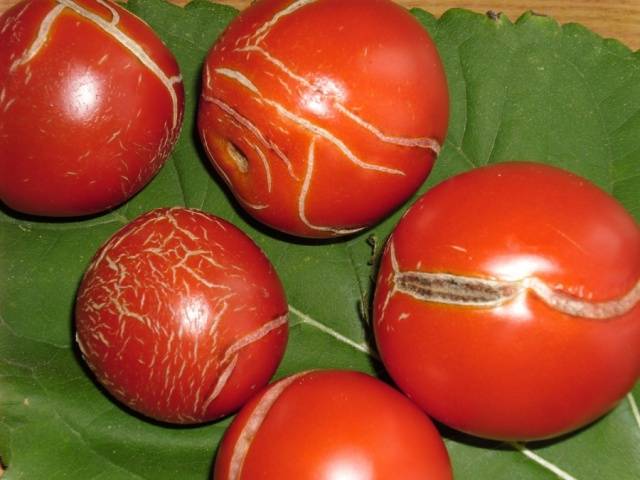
331	425
323	116
181	316
508	302
91	104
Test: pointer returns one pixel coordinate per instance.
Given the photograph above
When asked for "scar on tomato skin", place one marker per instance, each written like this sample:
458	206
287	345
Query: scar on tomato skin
419	142
110	28
300	121
479	292
254	130
302	198
261	33
40	39
239	158
253	424
231	354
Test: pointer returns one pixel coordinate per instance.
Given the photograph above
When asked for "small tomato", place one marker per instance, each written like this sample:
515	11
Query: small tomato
181	316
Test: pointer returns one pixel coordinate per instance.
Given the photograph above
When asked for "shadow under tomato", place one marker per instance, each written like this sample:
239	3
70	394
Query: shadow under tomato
501	445
25	217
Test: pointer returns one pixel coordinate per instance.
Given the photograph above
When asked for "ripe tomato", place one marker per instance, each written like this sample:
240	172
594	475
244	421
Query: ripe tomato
330	425
91	104
507	303
323	116
181	316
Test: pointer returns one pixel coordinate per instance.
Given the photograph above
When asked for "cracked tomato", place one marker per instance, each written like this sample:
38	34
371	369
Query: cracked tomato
181	316
323	116
91	104
331	425
508	302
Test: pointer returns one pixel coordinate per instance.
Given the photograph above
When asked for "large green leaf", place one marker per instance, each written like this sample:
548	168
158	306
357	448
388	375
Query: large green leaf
530	90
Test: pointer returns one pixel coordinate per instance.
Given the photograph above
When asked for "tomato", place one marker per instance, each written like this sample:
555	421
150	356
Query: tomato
91	104
330	425
323	116
181	316
508	302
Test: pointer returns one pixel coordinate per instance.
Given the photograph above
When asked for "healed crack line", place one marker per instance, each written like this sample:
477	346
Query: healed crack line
41	38
418	142
304	191
254	130
253	424
110	28
266	27
231	354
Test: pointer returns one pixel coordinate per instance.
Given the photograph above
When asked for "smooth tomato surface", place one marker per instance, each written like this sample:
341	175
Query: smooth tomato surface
330	425
181	316
507	302
323	116
91	104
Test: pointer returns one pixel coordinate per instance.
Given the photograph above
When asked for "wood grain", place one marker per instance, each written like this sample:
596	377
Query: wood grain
610	18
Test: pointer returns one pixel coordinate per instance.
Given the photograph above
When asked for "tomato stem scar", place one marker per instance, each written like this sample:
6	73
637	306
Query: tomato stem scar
239	159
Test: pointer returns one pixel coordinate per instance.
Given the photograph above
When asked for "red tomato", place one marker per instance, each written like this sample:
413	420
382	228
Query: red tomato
181	316
507	303
331	425
323	115
91	104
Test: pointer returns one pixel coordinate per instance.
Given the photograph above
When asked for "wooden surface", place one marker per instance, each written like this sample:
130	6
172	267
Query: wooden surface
610	18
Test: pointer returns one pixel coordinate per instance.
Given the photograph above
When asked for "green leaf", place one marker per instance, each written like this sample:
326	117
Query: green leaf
529	90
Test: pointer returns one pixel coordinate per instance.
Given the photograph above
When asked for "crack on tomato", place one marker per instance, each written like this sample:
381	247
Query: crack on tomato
231	354
253	424
40	39
110	27
169	258
251	44
304	191
463	290
261	33
454	289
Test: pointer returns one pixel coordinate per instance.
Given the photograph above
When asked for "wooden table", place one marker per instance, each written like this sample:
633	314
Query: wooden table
610	18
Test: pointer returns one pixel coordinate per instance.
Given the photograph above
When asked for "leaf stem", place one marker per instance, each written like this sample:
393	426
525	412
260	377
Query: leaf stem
541	461
306	319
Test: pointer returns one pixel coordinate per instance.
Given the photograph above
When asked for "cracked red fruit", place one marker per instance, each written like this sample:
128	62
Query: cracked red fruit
91	104
323	116
181	316
508	302
330	425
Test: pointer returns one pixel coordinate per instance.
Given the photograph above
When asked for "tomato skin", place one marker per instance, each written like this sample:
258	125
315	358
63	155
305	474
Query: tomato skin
330	424
324	101
522	370
181	316
84	122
